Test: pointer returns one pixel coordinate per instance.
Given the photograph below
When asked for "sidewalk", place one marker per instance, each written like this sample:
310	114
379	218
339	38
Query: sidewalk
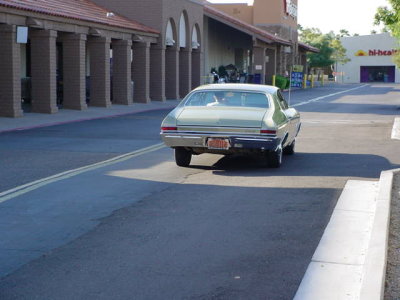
36	120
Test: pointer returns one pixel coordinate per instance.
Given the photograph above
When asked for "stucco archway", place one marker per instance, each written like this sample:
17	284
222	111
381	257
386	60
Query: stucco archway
171	60
185	55
196	56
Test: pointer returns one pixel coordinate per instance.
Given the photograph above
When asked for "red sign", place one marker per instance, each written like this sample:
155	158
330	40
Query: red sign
381	52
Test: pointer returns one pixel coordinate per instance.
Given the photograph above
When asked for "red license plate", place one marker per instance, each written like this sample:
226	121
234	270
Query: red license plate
213	143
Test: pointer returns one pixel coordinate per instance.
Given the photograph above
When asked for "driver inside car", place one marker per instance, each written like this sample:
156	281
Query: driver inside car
219	99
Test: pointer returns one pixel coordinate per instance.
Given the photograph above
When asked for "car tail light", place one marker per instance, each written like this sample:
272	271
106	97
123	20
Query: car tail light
264	131
169	128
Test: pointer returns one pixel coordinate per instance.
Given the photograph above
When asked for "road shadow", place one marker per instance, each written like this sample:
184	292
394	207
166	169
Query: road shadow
304	164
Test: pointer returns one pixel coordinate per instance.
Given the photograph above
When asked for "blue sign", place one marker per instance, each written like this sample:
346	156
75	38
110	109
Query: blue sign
297	79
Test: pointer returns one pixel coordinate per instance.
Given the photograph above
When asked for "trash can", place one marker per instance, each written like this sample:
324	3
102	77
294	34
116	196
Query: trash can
257	78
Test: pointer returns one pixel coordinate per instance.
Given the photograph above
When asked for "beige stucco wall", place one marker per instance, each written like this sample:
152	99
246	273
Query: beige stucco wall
243	12
272	12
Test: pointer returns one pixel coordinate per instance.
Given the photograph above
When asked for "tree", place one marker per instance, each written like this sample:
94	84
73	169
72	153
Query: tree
344	32
330	46
390	17
339	53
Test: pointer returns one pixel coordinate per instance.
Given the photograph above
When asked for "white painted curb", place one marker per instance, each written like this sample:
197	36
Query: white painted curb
350	260
396	129
373	284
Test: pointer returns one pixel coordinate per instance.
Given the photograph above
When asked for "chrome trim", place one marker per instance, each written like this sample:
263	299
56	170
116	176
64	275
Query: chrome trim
195	135
200	140
255	139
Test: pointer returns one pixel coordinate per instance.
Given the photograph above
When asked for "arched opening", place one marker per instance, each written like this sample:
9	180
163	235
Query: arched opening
195	37
182	30
171	61
196	56
169	35
185	57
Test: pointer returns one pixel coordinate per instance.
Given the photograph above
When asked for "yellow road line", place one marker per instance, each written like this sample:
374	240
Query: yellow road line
23	189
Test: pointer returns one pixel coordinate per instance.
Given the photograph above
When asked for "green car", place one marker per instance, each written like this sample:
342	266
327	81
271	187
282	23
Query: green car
232	118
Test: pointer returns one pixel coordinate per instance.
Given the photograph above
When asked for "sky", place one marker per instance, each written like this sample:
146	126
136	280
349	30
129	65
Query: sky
356	16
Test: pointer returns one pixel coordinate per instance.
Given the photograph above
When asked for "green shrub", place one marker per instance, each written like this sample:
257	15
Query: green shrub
287	84
281	82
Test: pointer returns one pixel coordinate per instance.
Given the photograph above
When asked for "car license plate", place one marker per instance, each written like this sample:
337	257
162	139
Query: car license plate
214	143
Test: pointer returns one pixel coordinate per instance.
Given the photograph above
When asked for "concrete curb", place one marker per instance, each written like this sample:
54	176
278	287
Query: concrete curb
32	120
350	260
396	129
374	272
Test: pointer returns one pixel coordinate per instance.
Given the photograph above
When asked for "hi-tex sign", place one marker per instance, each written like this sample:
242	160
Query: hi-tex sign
376	52
290	8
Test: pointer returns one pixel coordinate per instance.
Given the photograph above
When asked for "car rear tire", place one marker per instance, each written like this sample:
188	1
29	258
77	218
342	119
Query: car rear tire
274	158
182	157
290	148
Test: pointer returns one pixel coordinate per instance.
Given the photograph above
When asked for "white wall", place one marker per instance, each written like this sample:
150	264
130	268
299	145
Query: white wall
383	42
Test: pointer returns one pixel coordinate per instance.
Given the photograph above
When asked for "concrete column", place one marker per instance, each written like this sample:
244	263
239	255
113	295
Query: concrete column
172	73
280	60
303	61
259	62
99	48
122	78
270	65
43	70
157	73
196	68
10	77
141	72
185	72
74	68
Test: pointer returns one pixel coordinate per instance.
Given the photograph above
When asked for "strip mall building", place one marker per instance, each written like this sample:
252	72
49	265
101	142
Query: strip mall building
71	54
371	59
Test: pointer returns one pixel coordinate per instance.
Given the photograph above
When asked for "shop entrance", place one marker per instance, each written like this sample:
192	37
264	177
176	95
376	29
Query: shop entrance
377	73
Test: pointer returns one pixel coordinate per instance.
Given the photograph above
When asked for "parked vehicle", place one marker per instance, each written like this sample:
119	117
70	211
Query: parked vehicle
231	118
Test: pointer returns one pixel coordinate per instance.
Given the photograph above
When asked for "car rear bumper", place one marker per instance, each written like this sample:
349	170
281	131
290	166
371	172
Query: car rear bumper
259	142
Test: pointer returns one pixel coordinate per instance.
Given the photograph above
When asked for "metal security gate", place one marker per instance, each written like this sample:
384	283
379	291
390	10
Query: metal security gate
377	73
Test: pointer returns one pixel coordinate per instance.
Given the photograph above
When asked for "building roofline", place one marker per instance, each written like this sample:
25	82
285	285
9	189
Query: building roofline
82	10
308	48
243	26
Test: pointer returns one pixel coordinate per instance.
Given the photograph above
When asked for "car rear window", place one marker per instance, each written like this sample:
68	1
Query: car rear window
228	98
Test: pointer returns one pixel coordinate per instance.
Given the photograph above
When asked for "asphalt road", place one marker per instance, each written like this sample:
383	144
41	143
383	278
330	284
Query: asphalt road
143	228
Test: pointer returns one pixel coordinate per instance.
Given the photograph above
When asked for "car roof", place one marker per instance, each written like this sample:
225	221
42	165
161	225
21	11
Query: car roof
239	87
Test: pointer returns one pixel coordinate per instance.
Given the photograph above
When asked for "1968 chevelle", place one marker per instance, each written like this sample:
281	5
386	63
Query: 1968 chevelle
232	118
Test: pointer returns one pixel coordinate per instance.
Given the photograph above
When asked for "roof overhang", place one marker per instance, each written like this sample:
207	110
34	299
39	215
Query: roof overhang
244	27
308	48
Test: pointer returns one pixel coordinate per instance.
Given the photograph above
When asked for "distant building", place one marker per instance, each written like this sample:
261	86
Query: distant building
371	59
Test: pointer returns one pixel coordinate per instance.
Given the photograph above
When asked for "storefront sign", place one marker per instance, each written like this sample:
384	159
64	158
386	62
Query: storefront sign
381	52
296	79
298	68
290	8
376	52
